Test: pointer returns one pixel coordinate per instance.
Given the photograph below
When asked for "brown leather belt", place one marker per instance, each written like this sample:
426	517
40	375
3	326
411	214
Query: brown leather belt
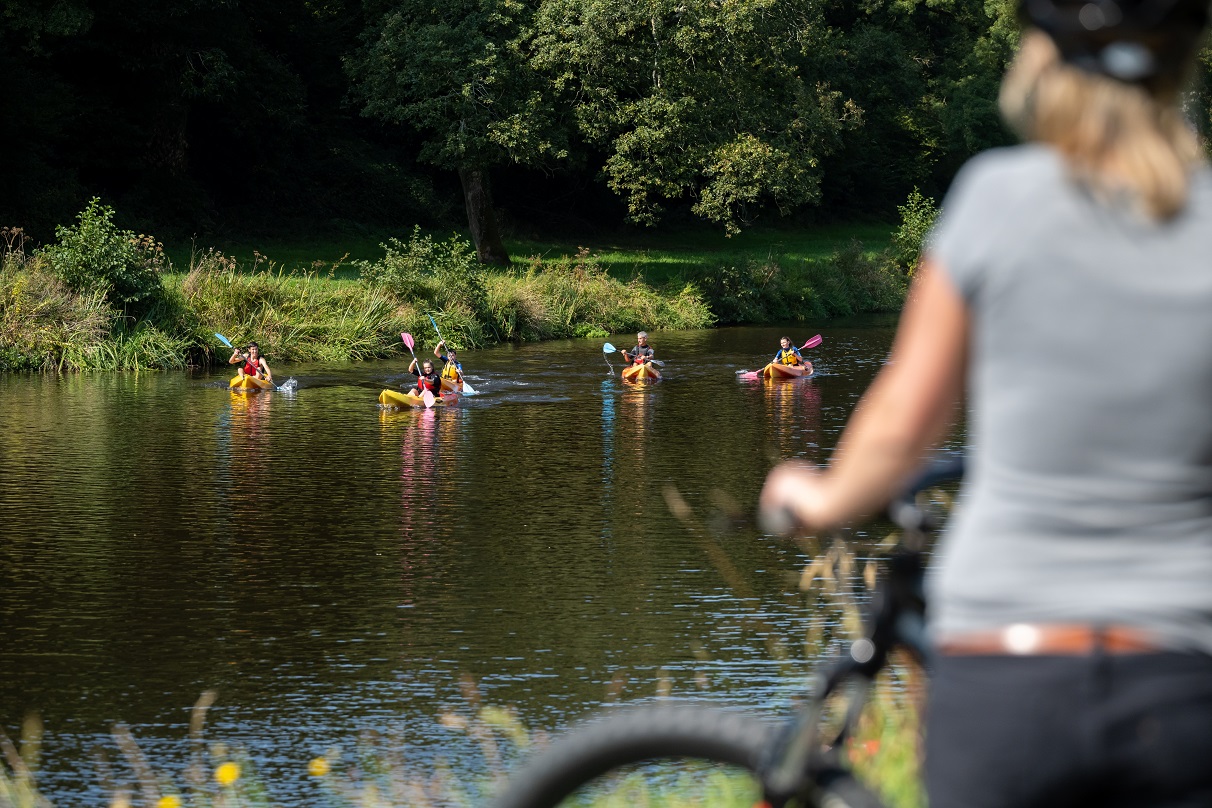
1050	639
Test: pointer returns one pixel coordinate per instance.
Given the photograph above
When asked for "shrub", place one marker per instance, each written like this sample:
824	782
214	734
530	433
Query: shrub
428	274
918	215
94	255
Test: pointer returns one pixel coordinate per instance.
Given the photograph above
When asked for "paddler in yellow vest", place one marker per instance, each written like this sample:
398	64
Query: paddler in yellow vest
788	354
452	370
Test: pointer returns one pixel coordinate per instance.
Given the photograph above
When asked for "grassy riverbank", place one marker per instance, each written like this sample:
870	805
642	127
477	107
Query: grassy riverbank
104	299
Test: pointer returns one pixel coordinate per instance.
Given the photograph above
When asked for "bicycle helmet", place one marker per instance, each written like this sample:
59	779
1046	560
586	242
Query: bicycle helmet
1129	40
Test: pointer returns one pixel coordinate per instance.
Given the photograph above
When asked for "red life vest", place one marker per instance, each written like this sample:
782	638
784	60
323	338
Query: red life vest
250	369
431	383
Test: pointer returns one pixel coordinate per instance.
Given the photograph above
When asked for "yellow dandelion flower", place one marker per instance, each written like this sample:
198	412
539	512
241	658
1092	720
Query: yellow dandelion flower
227	773
169	801
318	767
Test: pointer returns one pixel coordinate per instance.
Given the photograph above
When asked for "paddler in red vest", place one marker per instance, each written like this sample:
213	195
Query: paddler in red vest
251	364
642	352
426	378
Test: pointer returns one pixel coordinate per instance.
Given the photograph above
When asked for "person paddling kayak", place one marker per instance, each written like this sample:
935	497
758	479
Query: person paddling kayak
787	354
642	353
427	379
452	369
253	363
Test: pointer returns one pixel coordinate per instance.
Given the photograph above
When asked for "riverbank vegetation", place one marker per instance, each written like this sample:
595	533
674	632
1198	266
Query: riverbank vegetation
101	297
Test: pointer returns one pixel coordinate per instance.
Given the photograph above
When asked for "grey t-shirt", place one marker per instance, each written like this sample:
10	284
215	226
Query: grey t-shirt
1089	492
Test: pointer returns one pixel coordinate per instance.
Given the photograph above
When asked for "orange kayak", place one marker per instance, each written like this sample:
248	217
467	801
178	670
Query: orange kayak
780	371
394	398
250	384
641	374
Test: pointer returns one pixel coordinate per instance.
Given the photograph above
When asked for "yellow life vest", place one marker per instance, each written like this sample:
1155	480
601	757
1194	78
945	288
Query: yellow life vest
788	357
450	371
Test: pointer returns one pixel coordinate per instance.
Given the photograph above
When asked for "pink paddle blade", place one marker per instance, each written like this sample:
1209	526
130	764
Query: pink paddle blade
812	343
428	398
748	374
408	340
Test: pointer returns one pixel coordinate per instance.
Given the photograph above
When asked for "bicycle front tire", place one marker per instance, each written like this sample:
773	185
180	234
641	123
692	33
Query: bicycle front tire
636	736
666	733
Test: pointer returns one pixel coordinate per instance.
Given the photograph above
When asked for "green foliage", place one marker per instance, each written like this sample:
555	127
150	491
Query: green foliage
850	281
577	298
430	274
294	318
918	216
454	72
695	100
42	320
95	256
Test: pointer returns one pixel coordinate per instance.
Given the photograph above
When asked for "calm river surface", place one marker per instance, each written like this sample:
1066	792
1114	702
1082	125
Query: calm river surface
330	567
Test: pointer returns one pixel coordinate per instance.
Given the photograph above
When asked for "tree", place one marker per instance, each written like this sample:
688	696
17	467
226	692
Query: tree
454	72
696	99
926	74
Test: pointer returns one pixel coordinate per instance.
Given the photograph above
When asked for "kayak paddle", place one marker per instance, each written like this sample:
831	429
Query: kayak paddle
607	350
467	388
426	396
753	374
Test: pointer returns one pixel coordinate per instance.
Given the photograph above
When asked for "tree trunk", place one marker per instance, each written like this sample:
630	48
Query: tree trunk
477	195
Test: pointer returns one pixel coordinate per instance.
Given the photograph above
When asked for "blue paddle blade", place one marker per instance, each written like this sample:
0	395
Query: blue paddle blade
224	340
608	348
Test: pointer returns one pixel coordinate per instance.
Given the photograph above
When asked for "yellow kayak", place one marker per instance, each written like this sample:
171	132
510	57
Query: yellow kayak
641	374
394	398
250	384
777	370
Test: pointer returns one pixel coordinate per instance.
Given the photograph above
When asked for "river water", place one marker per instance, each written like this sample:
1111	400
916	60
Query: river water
329	567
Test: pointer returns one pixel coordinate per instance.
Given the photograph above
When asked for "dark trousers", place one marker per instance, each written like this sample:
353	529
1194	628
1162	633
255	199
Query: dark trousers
1101	730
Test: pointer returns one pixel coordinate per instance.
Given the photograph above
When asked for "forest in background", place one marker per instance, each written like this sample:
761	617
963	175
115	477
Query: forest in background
234	119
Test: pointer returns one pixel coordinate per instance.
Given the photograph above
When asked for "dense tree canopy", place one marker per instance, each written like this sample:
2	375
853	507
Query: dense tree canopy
203	116
696	99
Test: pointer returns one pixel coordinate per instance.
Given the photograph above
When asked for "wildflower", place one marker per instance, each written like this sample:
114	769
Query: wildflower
318	767
227	773
169	801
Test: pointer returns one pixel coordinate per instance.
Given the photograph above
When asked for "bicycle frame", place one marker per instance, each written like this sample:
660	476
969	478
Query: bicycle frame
895	618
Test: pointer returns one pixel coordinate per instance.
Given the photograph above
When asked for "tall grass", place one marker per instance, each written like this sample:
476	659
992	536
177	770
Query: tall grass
310	317
577	298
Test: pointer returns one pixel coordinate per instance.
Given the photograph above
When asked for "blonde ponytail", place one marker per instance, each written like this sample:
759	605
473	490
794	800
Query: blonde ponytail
1116	137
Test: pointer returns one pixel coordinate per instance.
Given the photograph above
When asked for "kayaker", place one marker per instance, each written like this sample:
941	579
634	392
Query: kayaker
788	354
642	353
253	364
427	379
452	369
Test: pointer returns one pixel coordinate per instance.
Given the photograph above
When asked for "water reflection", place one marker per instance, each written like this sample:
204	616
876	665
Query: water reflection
793	407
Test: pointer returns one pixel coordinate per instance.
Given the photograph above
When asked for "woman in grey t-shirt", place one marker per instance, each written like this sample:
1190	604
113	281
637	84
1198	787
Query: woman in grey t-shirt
1068	291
